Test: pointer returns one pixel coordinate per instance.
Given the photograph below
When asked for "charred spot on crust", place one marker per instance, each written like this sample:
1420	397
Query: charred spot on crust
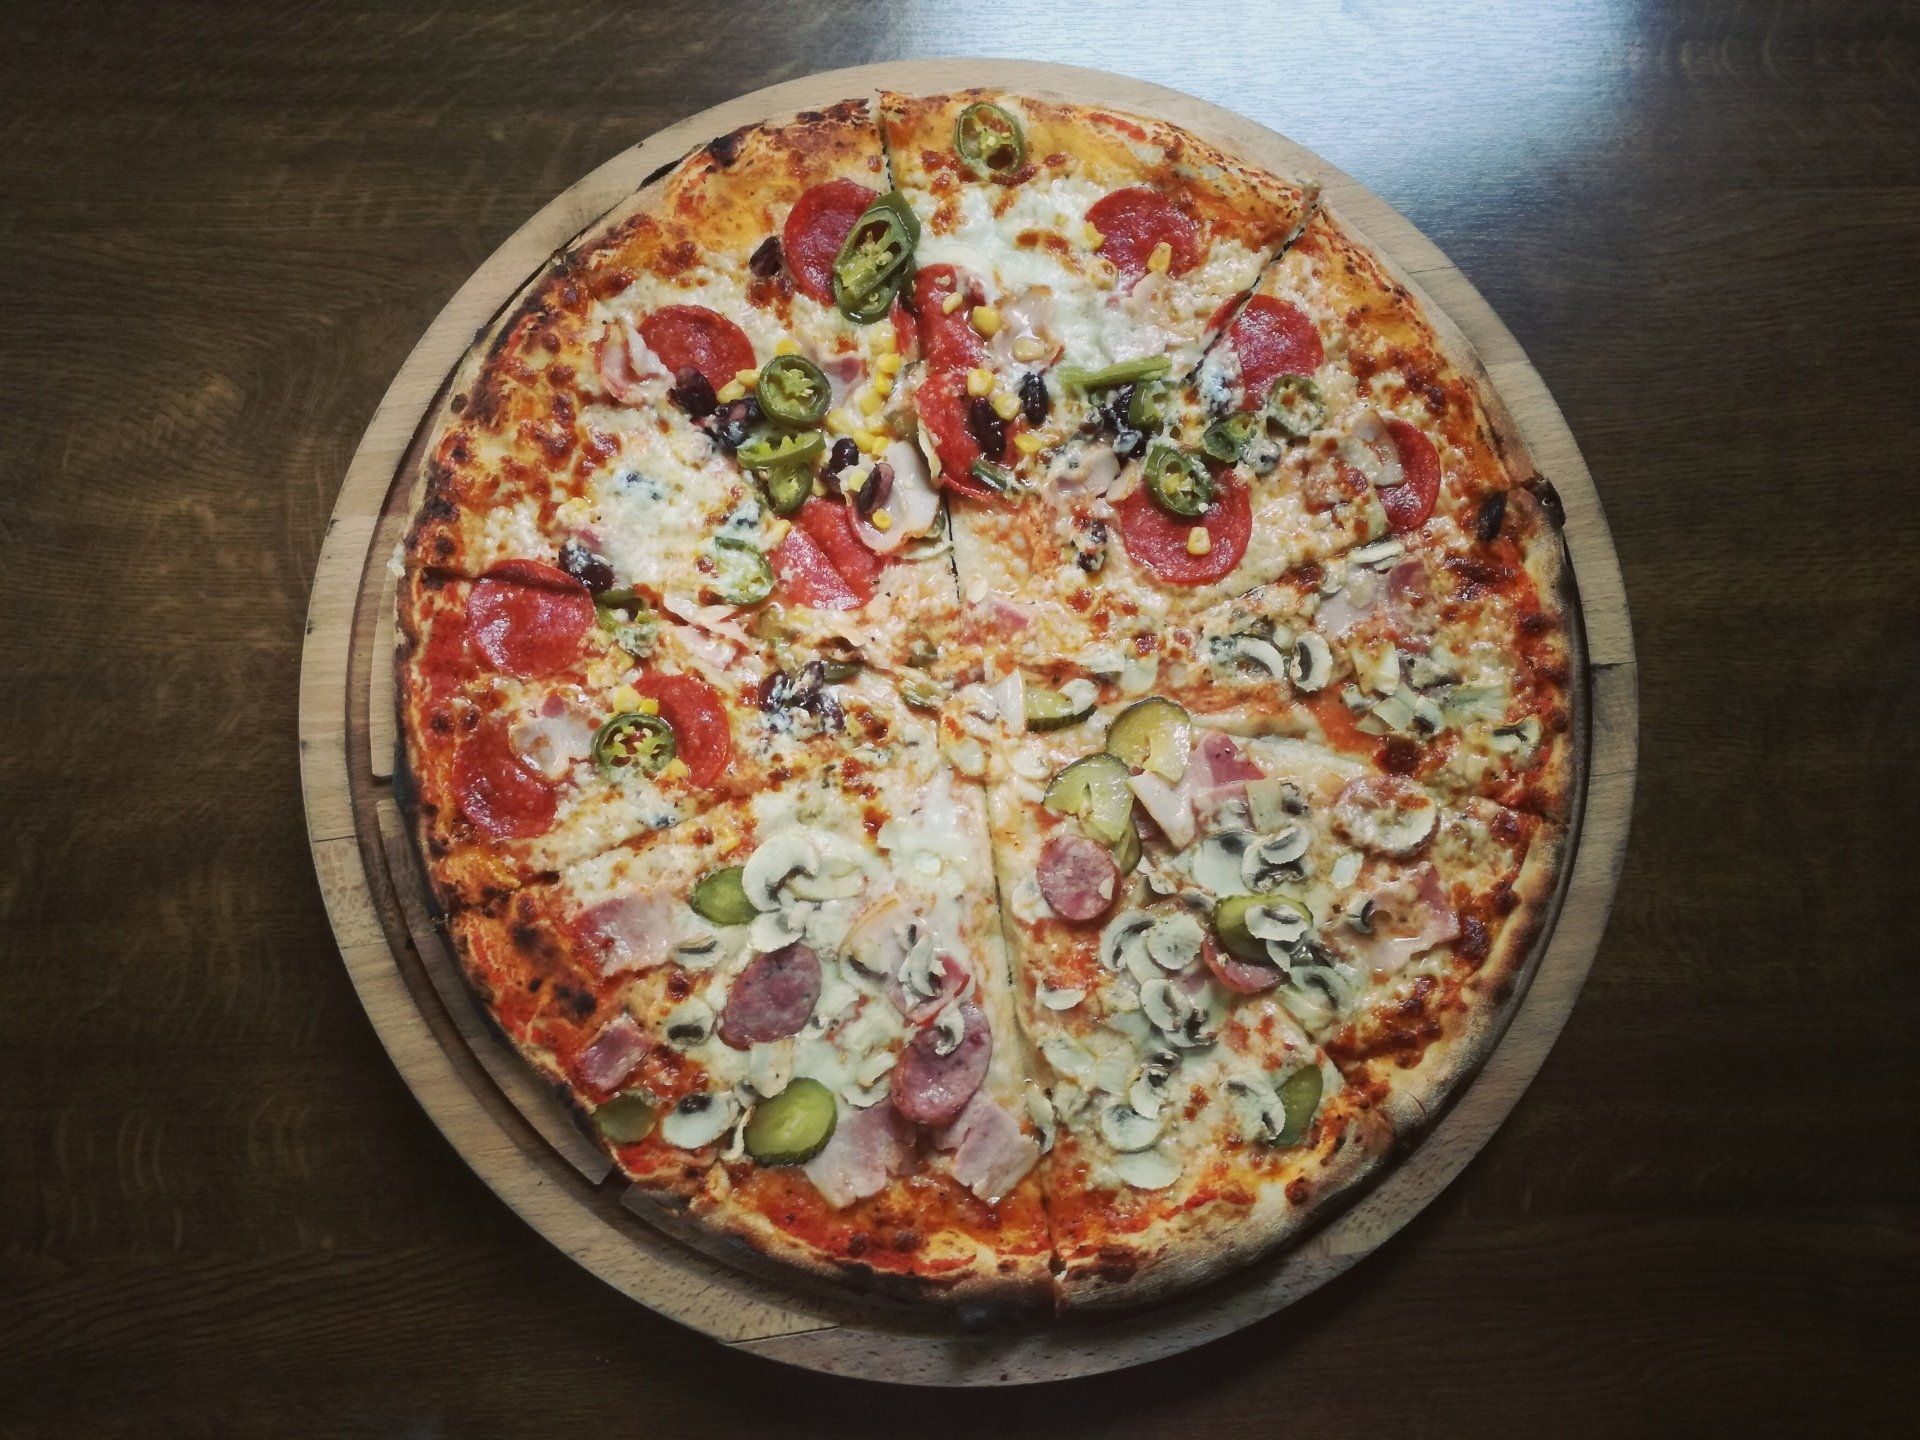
1549	499
1474	941
661	171
725	149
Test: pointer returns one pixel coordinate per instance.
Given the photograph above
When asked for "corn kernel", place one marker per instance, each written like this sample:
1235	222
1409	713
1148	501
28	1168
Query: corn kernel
730	392
748	378
777	531
1199	542
885	341
626	698
676	769
840	423
953	302
872	402
882	520
784	346
870	441
1161	258
1092	236
979	382
889	363
1028	443
647	705
986	320
1029	348
1006	404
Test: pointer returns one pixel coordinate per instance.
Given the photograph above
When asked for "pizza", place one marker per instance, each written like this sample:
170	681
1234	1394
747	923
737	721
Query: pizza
987	695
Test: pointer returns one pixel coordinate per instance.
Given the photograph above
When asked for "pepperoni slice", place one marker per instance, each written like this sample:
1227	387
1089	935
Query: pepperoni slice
697	716
497	790
932	1089
1409	503
830	526
692	335
1077	876
528	618
948	341
807	577
772	998
1242	977
816	228
1133	221
906	329
1272	338
1159	540
942	402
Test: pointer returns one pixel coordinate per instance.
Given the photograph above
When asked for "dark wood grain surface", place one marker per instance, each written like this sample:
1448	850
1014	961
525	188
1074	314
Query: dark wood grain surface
221	229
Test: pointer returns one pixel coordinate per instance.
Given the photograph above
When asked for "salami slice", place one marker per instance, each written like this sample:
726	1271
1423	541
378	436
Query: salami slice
1409	503
1242	977
932	1089
1272	338
692	336
1133	221
816	228
830	526
528	619
807	576
947	337
1077	876
943	402
772	998
497	790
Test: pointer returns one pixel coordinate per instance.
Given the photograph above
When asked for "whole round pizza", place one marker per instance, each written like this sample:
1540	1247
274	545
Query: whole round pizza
987	696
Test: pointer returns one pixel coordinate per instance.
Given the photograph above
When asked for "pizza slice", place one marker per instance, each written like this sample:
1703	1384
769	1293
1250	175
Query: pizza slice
1244	963
791	1017
1436	656
694	393
545	724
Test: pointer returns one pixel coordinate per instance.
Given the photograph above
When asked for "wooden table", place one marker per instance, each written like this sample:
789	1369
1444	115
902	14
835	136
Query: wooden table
221	1212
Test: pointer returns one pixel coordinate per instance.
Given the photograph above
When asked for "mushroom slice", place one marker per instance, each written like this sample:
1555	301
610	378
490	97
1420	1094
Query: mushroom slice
918	975
770	1067
1281	924
1067	1055
1359	914
690	1022
1220	859
697	952
699	1120
1317	995
880	936
772	929
1369	448
1257	1107
1166	1005
949	1029
1261	652
1125	933
1519	738
1268	862
1380	555
1063	998
778	859
1040	1110
1144	1094
1312	664
1146	1169
1174	941
1126	1129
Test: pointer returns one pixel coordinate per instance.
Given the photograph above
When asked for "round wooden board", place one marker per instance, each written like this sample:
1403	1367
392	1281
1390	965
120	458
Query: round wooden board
515	1135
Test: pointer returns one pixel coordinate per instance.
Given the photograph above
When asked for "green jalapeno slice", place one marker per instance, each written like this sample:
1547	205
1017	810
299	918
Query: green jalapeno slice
634	743
769	450
876	258
1178	481
989	141
1226	438
794	390
1294	406
1144	409
745	574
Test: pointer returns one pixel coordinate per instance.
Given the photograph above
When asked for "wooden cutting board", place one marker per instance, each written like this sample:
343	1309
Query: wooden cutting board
516	1136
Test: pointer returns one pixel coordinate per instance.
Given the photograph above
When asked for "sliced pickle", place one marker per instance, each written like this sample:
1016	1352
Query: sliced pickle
626	1119
1094	791
794	1126
1055	710
1300	1098
722	898
1153	734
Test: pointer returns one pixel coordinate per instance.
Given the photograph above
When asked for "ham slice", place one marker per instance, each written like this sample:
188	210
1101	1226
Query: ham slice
614	1054
624	363
1410	915
628	932
868	1148
991	1153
